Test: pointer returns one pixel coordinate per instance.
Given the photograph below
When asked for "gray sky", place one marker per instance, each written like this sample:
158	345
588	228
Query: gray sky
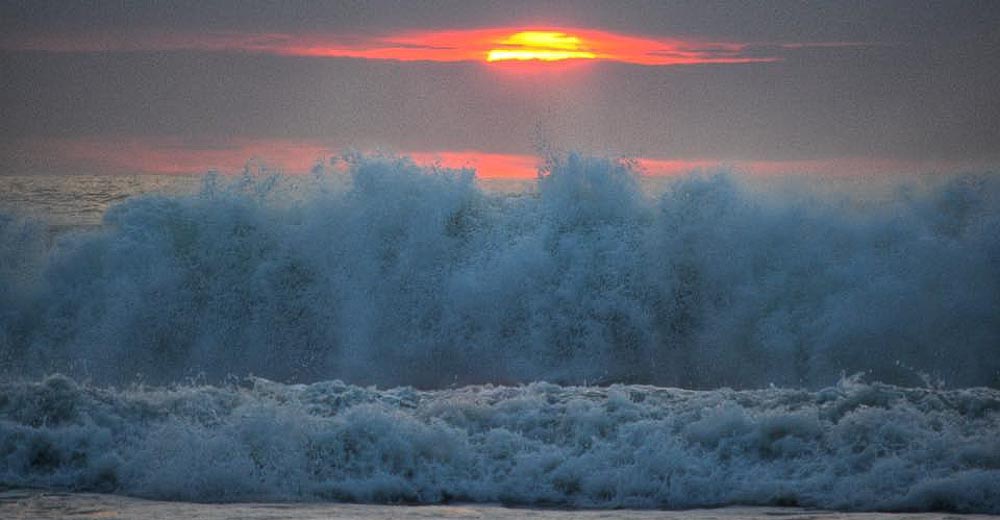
908	83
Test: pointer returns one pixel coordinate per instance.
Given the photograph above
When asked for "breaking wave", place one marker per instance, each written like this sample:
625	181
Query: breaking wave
853	446
395	274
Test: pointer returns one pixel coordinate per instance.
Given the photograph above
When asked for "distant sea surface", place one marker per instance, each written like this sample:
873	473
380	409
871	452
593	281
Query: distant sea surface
73	201
67	201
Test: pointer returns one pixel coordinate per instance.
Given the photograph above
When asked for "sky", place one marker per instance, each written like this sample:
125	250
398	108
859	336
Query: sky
841	88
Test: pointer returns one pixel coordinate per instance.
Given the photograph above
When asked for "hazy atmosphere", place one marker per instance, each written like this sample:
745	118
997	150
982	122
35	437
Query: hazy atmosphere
848	87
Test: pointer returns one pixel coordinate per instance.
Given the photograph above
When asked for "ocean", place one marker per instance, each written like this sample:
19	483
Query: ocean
593	343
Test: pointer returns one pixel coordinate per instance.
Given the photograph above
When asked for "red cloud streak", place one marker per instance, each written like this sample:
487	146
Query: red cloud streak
132	155
433	46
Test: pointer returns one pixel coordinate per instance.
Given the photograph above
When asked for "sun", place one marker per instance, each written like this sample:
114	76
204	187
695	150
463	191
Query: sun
540	46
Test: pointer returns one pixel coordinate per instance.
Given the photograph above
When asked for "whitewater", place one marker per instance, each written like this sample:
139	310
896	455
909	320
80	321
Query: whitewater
383	332
853	446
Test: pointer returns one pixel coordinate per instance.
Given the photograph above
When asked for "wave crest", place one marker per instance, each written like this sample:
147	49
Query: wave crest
410	275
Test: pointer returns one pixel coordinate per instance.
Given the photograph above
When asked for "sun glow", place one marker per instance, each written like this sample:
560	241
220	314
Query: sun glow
491	45
541	46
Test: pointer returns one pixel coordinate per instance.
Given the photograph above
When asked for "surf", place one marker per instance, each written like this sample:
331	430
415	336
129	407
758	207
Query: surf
390	273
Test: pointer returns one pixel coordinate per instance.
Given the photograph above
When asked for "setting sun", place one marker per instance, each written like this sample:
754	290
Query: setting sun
541	46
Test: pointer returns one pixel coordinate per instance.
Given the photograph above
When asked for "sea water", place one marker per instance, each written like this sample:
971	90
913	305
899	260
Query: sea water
583	341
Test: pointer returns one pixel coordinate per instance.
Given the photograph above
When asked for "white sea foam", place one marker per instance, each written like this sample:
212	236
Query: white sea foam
853	446
395	274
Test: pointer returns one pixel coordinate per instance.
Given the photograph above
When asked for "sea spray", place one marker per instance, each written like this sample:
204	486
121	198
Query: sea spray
391	273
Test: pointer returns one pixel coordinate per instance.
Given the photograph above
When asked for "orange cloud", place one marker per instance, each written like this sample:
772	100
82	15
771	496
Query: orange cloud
482	45
487	165
165	155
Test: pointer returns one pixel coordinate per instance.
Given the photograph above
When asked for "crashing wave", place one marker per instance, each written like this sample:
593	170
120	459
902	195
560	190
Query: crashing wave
410	275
